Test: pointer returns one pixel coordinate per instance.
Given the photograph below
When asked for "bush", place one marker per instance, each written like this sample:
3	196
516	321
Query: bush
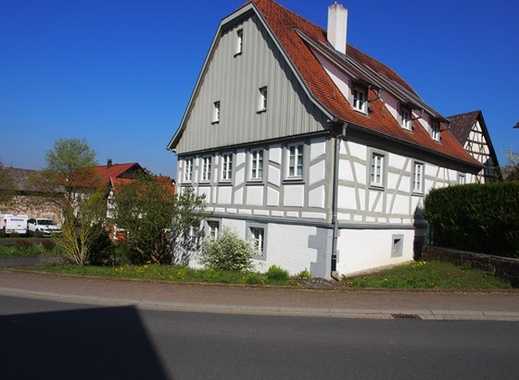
479	218
101	250
277	274
304	275
227	253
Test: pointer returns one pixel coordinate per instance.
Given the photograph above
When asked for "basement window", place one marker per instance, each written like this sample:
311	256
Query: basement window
397	247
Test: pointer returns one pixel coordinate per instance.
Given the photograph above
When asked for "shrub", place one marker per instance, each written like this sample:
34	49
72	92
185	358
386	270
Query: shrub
254	278
277	274
480	218
102	250
227	253
304	275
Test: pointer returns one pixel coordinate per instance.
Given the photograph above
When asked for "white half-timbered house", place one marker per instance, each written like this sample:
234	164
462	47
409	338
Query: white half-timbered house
316	152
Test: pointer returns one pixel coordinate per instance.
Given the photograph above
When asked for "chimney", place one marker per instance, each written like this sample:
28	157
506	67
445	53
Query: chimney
109	163
337	26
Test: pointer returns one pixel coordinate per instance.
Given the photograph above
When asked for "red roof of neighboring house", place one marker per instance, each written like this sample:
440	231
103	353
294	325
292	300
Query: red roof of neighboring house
167	182
106	172
284	25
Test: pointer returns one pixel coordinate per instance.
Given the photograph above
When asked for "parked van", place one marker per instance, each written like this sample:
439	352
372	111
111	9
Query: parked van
42	227
13	224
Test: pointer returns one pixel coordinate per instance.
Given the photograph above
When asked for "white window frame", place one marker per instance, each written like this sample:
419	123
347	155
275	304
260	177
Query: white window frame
462	179
207	167
256	165
257	238
298	164
239	42
418	177
359	99
188	170
217	106
406	116
377	169
227	166
262	99
213	227
435	131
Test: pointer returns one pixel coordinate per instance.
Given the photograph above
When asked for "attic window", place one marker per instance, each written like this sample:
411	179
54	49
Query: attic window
406	117
360	99
239	42
262	99
216	112
435	130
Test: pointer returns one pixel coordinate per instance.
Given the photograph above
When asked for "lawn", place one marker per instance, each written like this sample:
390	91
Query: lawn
428	275
26	249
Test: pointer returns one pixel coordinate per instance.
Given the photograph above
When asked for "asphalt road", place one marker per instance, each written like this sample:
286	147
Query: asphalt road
49	340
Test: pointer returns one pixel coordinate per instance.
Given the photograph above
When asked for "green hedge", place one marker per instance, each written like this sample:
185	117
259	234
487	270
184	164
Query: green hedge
478	218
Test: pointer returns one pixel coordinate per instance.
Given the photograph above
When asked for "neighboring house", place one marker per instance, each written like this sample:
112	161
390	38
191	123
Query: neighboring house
314	151
28	197
471	131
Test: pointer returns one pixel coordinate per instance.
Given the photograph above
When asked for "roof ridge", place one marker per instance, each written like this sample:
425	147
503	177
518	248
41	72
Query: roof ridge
465	114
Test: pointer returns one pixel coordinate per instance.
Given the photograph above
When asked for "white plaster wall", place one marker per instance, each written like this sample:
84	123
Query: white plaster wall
341	80
364	250
294	195
255	195
225	195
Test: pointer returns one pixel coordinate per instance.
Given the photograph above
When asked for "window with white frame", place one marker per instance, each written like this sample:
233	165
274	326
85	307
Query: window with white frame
213	229
216	112
377	170
405	115
239	41
435	130
206	169
462	179
227	167
295	161
262	99
418	173
188	170
360	99
257	236
256	172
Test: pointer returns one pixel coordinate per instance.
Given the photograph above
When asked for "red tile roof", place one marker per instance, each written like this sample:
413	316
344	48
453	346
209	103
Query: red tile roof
284	25
105	172
460	125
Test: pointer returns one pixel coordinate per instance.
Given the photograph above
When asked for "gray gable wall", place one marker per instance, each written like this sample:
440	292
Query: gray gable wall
235	82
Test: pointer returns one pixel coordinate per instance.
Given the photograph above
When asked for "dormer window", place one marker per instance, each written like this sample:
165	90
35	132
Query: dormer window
406	118
360	99
435	130
239	42
216	112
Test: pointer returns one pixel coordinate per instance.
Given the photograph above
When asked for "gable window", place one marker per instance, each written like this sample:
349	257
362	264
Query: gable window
435	130
257	237
295	161
239	42
376	173
418	173
405	116
206	169
216	112
462	179
214	229
188	170
227	167
360	98
262	99
256	165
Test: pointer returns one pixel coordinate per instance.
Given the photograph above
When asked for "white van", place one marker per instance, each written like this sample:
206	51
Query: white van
13	224
42	227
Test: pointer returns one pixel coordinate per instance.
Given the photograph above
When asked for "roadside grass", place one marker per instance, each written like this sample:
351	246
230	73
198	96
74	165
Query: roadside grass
428	275
22	249
170	273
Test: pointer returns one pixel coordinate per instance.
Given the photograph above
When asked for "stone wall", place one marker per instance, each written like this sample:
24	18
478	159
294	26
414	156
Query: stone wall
504	267
34	206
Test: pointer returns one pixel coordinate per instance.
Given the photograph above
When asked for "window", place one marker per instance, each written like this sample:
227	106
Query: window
239	42
216	112
377	170
227	167
256	164
360	99
435	130
418	177
405	115
295	161
257	235
397	248
462	180
188	170
214	228
262	100
206	169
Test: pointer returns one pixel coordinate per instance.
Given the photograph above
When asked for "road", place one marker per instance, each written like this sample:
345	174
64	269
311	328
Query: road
45	339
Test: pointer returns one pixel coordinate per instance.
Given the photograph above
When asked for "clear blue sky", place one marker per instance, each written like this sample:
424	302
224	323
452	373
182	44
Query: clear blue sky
119	73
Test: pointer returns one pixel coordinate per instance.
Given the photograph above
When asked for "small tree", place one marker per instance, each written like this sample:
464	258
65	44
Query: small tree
156	222
227	253
511	171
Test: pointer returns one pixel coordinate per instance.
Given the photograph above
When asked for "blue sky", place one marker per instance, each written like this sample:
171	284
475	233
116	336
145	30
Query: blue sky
119	73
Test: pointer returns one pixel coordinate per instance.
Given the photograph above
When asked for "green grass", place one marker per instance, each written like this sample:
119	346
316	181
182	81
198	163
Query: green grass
167	273
428	275
27	250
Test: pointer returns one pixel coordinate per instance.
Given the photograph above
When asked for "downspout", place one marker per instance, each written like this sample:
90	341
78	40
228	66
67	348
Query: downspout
335	189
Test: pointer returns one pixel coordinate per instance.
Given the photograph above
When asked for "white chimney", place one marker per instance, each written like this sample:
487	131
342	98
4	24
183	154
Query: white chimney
337	26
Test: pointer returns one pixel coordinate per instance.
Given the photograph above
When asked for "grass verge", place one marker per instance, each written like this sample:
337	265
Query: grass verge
428	275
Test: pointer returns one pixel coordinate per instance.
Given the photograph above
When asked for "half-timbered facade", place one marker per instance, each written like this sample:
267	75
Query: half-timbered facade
314	151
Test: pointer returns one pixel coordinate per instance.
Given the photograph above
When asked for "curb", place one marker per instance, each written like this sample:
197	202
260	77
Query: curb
451	315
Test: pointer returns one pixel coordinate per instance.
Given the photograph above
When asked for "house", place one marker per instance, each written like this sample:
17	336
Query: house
471	132
316	152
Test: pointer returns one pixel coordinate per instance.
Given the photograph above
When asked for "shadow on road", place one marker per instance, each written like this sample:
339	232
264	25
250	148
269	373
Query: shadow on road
106	343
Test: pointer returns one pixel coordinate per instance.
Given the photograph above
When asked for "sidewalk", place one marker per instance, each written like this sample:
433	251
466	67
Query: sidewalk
263	301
